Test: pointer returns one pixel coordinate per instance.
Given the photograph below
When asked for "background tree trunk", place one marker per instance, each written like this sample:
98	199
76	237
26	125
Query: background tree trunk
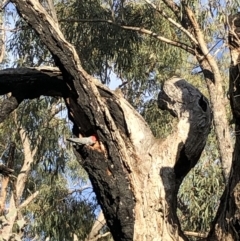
226	225
18	184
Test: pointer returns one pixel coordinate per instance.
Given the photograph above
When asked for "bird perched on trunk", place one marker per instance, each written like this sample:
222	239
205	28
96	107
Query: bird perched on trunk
89	141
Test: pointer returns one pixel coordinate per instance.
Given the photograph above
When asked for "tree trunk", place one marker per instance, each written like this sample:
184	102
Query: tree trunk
135	176
226	225
214	85
154	168
213	80
2	34
18	185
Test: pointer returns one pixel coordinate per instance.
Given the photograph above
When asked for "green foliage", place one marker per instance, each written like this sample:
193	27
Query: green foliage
138	60
61	209
200	192
104	47
160	122
199	197
59	213
27	48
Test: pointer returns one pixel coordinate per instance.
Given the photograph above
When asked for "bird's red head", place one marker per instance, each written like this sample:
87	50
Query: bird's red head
94	138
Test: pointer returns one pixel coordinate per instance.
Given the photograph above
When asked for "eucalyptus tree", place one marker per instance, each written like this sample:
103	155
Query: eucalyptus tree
28	50
136	176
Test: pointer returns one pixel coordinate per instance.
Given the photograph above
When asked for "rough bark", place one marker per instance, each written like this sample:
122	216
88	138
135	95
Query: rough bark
173	159
27	83
226	225
135	176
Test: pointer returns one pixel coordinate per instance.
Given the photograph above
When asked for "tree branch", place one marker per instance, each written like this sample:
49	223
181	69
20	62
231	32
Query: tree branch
214	82
79	190
52	11
140	30
202	44
26	166
97	226
179	26
173	6
2	39
161	38
195	234
33	82
99	236
29	83
6	171
28	200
